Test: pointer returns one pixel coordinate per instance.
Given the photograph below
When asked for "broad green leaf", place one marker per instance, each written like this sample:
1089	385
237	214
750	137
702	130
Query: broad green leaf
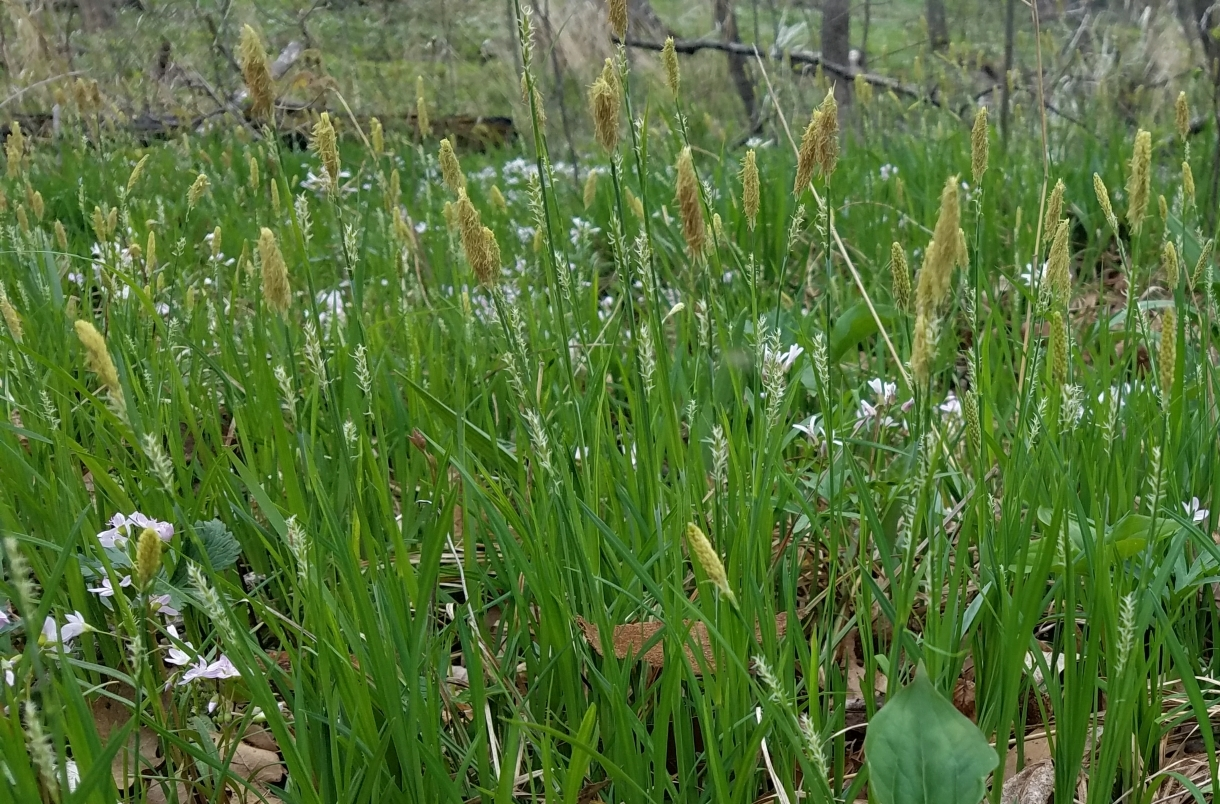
920	750
1132	533
217	543
221	548
853	326
1075	536
1126	538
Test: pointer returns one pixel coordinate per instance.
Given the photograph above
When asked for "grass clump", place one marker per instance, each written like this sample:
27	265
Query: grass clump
384	437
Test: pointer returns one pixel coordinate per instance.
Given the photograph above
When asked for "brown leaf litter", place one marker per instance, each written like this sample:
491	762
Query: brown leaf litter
630	638
258	767
111	716
255	759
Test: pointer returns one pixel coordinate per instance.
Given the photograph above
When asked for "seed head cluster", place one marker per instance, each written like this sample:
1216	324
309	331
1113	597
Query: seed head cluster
669	58
946	251
923	347
970	413
589	195
1167	355
819	144
97	357
750	188
1139	180
197	189
1169	261
376	136
136	173
1201	265
702	551
1057	274
942	255
901	276
1058	348
478	241
1103	198
256	73
451	170
1054	210
148	557
617	16
11	319
604	105
276	290
325	145
689	206
1181	115
979	146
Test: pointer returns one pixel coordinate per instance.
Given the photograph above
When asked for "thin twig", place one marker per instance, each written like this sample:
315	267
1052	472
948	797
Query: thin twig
688	46
44	81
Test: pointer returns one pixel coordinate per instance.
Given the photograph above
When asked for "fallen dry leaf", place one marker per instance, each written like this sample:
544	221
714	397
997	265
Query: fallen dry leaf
258	767
856	673
629	638
256	764
260	736
157	792
111	716
963	697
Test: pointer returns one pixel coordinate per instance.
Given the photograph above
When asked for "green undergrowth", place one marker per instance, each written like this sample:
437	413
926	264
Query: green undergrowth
395	521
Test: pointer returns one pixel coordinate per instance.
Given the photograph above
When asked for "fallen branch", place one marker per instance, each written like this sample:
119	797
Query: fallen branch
689	46
288	57
43	82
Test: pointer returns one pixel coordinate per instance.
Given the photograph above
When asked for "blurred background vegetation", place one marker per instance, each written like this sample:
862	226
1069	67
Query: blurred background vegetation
159	61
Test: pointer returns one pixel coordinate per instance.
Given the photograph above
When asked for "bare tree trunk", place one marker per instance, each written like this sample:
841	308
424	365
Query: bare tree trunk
836	40
1010	23
643	20
96	14
514	45
1206	17
938	25
726	20
868	19
557	69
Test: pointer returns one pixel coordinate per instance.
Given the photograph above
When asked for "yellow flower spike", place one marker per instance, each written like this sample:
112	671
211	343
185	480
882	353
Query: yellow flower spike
702	551
1139	181
1167	356
256	73
604	105
901	275
276	290
691	209
750	188
148	557
451	170
97	357
979	146
669	58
